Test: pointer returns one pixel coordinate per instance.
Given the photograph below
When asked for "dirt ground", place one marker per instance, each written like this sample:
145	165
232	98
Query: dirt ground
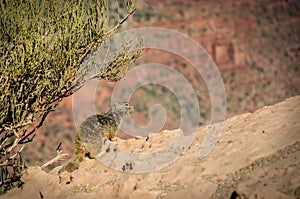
257	156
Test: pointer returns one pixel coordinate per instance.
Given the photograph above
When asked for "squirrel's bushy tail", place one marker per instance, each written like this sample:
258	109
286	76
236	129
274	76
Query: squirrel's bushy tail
70	166
78	156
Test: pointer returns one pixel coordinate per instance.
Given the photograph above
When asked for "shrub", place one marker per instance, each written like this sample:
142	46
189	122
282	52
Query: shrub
42	45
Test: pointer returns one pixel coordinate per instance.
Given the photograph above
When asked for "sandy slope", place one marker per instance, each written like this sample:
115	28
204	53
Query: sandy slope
258	156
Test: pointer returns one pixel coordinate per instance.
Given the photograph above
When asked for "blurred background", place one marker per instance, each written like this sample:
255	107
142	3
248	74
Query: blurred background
254	43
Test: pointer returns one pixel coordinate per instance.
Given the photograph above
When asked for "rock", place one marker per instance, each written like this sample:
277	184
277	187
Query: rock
257	156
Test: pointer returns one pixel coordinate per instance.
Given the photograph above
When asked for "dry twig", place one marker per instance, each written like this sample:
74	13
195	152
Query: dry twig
60	156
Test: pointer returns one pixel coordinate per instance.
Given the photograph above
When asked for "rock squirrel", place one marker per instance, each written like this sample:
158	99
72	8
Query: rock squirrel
93	134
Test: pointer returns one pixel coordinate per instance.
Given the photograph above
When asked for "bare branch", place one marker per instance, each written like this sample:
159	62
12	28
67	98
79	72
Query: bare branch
60	156
120	22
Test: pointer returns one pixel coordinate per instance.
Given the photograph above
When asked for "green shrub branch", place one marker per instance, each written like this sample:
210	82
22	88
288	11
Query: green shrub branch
42	46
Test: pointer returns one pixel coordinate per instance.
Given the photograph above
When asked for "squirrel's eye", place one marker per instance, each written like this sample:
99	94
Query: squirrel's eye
126	104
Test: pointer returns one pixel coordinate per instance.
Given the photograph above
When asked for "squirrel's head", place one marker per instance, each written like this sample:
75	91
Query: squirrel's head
121	109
